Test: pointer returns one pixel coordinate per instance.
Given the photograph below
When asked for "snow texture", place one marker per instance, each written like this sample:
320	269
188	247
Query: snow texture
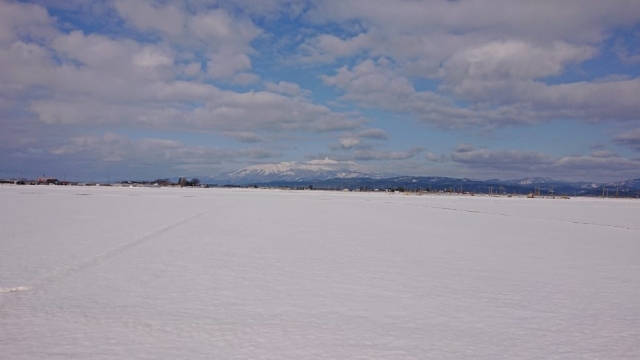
130	273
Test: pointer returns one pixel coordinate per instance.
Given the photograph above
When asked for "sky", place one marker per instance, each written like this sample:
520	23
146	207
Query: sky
117	89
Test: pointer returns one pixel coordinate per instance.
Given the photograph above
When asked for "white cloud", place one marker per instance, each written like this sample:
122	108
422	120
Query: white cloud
243	136
245	79
378	85
18	21
422	35
355	140
115	148
451	64
270	111
436	158
377	134
464	148
193	69
146	16
491	71
326	47
224	39
287	88
220	111
368	155
541	20
630	138
370	78
496	61
626	52
604	154
349	142
501	159
224	65
333	163
152	57
520	163
95	80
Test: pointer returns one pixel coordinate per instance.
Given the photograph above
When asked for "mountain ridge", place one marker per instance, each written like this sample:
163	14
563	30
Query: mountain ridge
337	175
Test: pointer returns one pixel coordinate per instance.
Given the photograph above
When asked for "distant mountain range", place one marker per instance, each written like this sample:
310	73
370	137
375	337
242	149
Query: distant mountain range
327	175
291	172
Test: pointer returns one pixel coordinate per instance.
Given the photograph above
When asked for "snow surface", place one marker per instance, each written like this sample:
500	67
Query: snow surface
130	273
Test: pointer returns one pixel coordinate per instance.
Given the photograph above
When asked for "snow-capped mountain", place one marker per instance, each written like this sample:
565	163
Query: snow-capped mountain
631	183
533	181
293	171
345	174
543	181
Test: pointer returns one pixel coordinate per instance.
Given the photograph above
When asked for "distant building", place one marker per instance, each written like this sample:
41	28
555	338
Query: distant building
13	181
47	181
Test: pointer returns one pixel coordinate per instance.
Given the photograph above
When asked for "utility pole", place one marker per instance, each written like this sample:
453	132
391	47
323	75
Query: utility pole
603	188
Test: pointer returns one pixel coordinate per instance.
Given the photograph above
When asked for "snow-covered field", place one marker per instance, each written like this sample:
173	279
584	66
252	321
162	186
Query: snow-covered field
128	273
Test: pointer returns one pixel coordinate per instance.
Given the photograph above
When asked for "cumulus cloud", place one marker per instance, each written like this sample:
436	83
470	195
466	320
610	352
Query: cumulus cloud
368	155
192	69
92	79
327	47
348	142
222	38
462	46
423	35
118	150
436	158
464	148
224	65
491	71
245	79
169	19
519	163
243	136
500	159
604	154
541	20
370	78
19	21
227	111
270	111
630	138
287	88
626	52
175	66
333	163
357	139
499	102
377	134
377	84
